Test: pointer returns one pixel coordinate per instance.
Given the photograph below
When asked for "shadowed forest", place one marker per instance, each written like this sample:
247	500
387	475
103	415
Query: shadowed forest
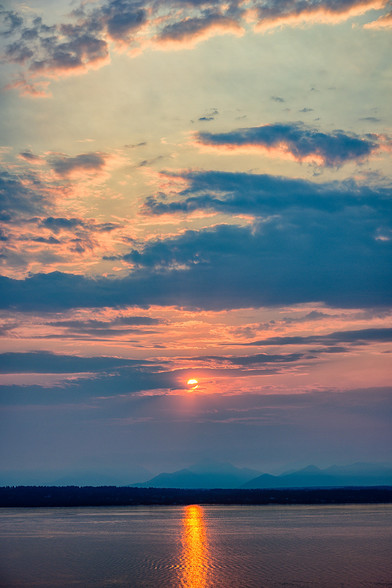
54	496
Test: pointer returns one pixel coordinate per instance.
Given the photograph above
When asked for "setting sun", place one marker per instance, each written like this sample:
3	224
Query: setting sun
193	382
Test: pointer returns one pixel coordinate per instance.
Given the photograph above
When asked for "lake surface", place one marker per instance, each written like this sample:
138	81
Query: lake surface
197	547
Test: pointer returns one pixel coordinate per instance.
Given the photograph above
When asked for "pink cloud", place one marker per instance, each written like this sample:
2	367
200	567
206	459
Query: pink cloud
384	22
29	88
187	33
298	13
50	52
296	141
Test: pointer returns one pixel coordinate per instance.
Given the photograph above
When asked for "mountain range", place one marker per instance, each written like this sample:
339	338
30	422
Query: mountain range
208	474
203	474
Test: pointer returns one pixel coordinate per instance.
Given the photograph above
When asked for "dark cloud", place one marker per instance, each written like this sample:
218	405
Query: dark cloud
104	383
229	267
47	240
29	156
57	49
10	21
209	115
50	363
119	321
19	52
64	165
301	141
266	195
273	13
78	52
371	119
75	46
277	99
105	329
59	223
56	224
123	17
361	336
309	243
21	196
190	28
135	145
252	361
101	378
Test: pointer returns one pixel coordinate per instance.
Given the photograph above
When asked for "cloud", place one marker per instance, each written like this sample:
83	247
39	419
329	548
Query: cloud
383	22
209	115
51	363
189	31
308	242
21	196
121	326
301	142
358	337
304	242
95	29
64	165
10	21
265	195
30	157
46	240
122	18
371	119
254	361
57	224
39	236
57	50
270	14
230	267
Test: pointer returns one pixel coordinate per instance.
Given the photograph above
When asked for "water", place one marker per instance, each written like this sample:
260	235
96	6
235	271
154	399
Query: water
197	547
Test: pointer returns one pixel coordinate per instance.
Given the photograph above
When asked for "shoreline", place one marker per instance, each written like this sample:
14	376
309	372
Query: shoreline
79	496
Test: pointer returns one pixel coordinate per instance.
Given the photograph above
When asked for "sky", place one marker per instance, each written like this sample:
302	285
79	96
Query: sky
194	190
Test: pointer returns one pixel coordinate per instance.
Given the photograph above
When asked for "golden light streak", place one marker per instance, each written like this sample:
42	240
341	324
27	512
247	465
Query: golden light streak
195	548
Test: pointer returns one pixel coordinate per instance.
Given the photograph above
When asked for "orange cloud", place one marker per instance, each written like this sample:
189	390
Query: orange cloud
384	22
314	15
186	37
280	151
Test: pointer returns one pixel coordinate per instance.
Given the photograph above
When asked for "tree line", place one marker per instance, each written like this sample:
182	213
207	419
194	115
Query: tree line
52	496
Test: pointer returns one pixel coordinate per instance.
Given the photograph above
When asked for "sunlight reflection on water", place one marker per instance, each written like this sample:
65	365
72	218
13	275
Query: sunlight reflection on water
345	546
195	556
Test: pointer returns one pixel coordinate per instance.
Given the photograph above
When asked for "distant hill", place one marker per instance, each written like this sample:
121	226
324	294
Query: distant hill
358	474
209	474
204	474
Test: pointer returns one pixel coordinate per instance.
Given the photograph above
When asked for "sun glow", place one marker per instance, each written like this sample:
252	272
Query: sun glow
193	382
